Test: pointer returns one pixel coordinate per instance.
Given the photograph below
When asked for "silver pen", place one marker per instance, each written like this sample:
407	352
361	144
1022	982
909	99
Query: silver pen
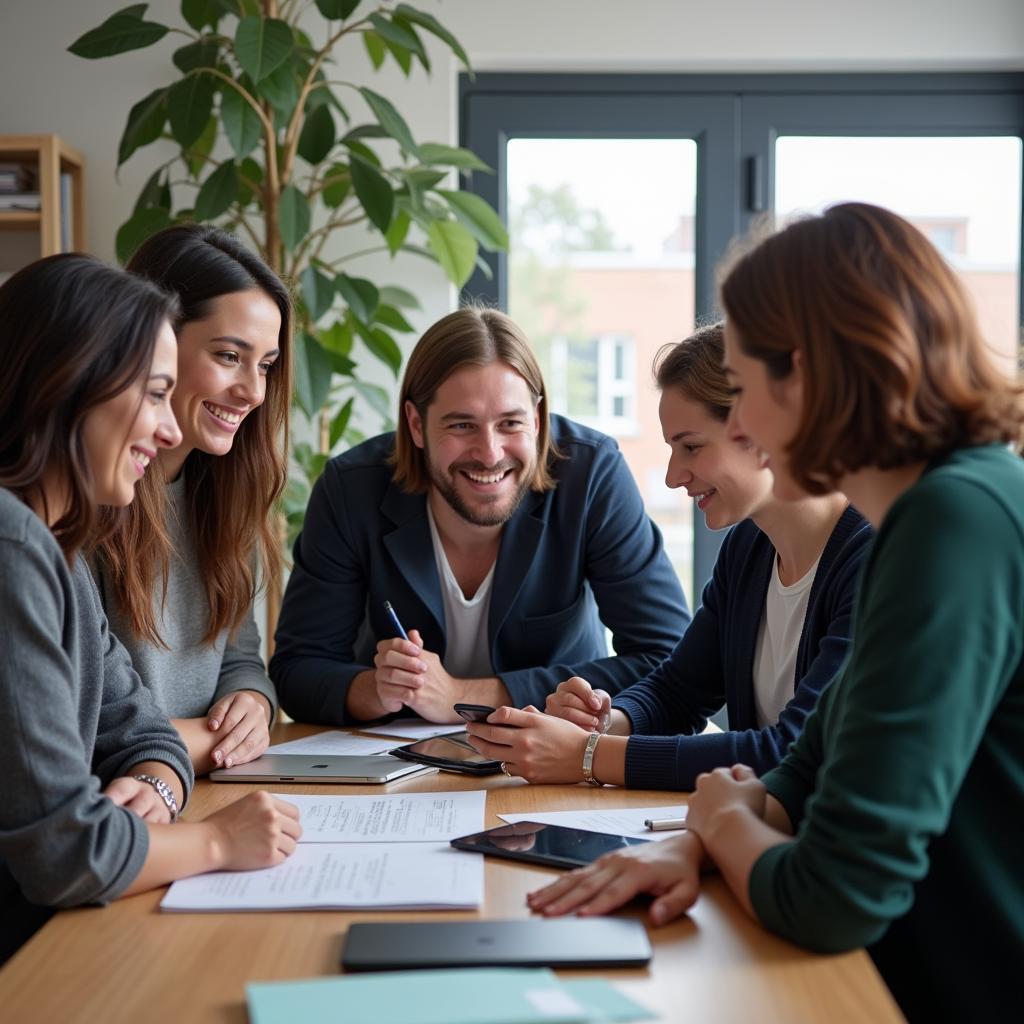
664	824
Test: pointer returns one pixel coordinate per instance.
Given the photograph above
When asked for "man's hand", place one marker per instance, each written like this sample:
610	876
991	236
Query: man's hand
140	798
577	702
241	721
722	790
407	674
668	870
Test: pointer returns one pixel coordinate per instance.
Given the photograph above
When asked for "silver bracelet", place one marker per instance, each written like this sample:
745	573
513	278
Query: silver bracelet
163	791
588	759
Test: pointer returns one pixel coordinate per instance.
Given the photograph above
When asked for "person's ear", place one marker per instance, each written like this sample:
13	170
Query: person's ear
789	391
415	423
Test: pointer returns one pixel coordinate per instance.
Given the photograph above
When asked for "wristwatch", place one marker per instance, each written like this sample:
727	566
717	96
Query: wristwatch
588	759
164	791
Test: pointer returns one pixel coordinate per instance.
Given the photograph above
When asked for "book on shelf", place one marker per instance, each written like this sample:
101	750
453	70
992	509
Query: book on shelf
67	242
20	201
17	178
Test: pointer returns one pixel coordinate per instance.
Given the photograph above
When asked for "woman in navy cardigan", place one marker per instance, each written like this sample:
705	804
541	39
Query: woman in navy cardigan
773	627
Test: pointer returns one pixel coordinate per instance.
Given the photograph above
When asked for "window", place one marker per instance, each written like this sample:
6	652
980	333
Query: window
620	249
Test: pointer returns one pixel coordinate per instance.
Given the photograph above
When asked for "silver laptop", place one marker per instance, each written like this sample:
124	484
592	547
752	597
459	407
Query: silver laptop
345	768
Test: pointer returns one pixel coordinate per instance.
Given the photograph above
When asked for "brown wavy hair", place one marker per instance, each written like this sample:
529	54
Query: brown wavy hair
694	367
896	369
75	334
472	336
229	499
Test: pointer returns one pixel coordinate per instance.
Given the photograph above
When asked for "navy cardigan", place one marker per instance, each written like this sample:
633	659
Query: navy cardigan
713	664
572	561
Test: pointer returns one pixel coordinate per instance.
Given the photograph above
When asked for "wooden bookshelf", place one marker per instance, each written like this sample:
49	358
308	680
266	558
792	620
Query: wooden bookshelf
52	157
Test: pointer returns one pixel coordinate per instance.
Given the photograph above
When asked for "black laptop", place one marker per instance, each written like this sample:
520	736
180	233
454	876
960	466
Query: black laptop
529	942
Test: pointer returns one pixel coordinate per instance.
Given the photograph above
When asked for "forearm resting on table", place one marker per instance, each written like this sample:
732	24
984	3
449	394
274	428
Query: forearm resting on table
737	837
177	851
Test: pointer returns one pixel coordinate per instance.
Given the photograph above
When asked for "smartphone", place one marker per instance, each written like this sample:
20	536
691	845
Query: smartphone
474	712
555	845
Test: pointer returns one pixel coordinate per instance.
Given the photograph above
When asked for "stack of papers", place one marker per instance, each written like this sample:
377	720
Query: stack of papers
475	996
357	852
325	744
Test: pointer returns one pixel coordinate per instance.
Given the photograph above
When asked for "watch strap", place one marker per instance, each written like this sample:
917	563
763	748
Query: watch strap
163	790
588	759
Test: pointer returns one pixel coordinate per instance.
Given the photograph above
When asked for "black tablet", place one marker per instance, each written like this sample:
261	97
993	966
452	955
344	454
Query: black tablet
449	753
554	845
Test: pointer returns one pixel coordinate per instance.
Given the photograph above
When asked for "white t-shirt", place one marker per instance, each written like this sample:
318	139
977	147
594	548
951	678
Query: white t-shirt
467	653
778	637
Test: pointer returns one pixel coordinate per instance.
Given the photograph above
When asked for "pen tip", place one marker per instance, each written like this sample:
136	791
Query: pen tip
387	606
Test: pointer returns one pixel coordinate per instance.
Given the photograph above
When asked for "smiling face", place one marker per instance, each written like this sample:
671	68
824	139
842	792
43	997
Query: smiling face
765	411
223	363
726	476
479	438
123	435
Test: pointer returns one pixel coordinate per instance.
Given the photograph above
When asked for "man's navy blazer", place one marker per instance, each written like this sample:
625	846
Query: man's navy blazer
570	559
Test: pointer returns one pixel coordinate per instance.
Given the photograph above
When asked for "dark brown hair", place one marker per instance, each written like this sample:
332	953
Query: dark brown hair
694	367
229	498
470	336
75	334
896	369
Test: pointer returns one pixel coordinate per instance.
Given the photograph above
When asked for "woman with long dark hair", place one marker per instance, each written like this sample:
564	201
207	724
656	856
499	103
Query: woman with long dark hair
91	771
894	820
180	574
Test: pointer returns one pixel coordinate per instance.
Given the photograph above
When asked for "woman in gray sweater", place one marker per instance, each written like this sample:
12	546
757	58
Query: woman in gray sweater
91	771
179	575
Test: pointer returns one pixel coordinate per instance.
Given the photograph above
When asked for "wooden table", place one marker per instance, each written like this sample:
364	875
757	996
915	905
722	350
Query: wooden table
130	962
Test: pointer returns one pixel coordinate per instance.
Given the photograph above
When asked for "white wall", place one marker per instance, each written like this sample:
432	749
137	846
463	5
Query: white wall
44	88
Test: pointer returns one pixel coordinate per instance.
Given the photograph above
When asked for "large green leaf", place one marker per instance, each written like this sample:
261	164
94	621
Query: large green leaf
145	123
281	89
312	368
317	292
484	224
336	10
383	346
395	235
317	137
198	154
434	27
390	120
340	421
203	53
135	11
337	338
391	317
403	57
455	249
375	48
156	192
218	192
360	295
118	34
374	192
262	45
138	228
250	177
189	104
293	213
241	123
337	185
402	35
200	13
395	296
450	156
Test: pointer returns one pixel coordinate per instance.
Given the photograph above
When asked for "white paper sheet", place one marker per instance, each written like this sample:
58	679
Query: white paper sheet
619	821
390	818
414	730
327	743
342	877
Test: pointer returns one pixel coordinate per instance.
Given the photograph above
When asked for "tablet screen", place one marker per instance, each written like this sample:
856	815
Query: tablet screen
545	844
449	753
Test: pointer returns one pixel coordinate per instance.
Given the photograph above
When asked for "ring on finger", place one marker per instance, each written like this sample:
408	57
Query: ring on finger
504	770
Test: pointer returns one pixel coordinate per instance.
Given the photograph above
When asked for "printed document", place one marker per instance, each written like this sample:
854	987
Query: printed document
619	821
414	730
324	744
334	876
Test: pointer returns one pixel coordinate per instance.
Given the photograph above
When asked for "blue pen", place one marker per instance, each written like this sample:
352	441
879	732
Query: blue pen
394	618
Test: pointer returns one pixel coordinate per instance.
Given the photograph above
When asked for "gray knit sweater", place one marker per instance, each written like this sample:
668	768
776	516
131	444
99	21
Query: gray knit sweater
189	676
73	716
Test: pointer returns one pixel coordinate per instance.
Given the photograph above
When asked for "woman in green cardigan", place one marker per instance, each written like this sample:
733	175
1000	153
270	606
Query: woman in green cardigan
894	820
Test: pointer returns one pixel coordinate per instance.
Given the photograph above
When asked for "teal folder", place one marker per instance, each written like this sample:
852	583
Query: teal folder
470	996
